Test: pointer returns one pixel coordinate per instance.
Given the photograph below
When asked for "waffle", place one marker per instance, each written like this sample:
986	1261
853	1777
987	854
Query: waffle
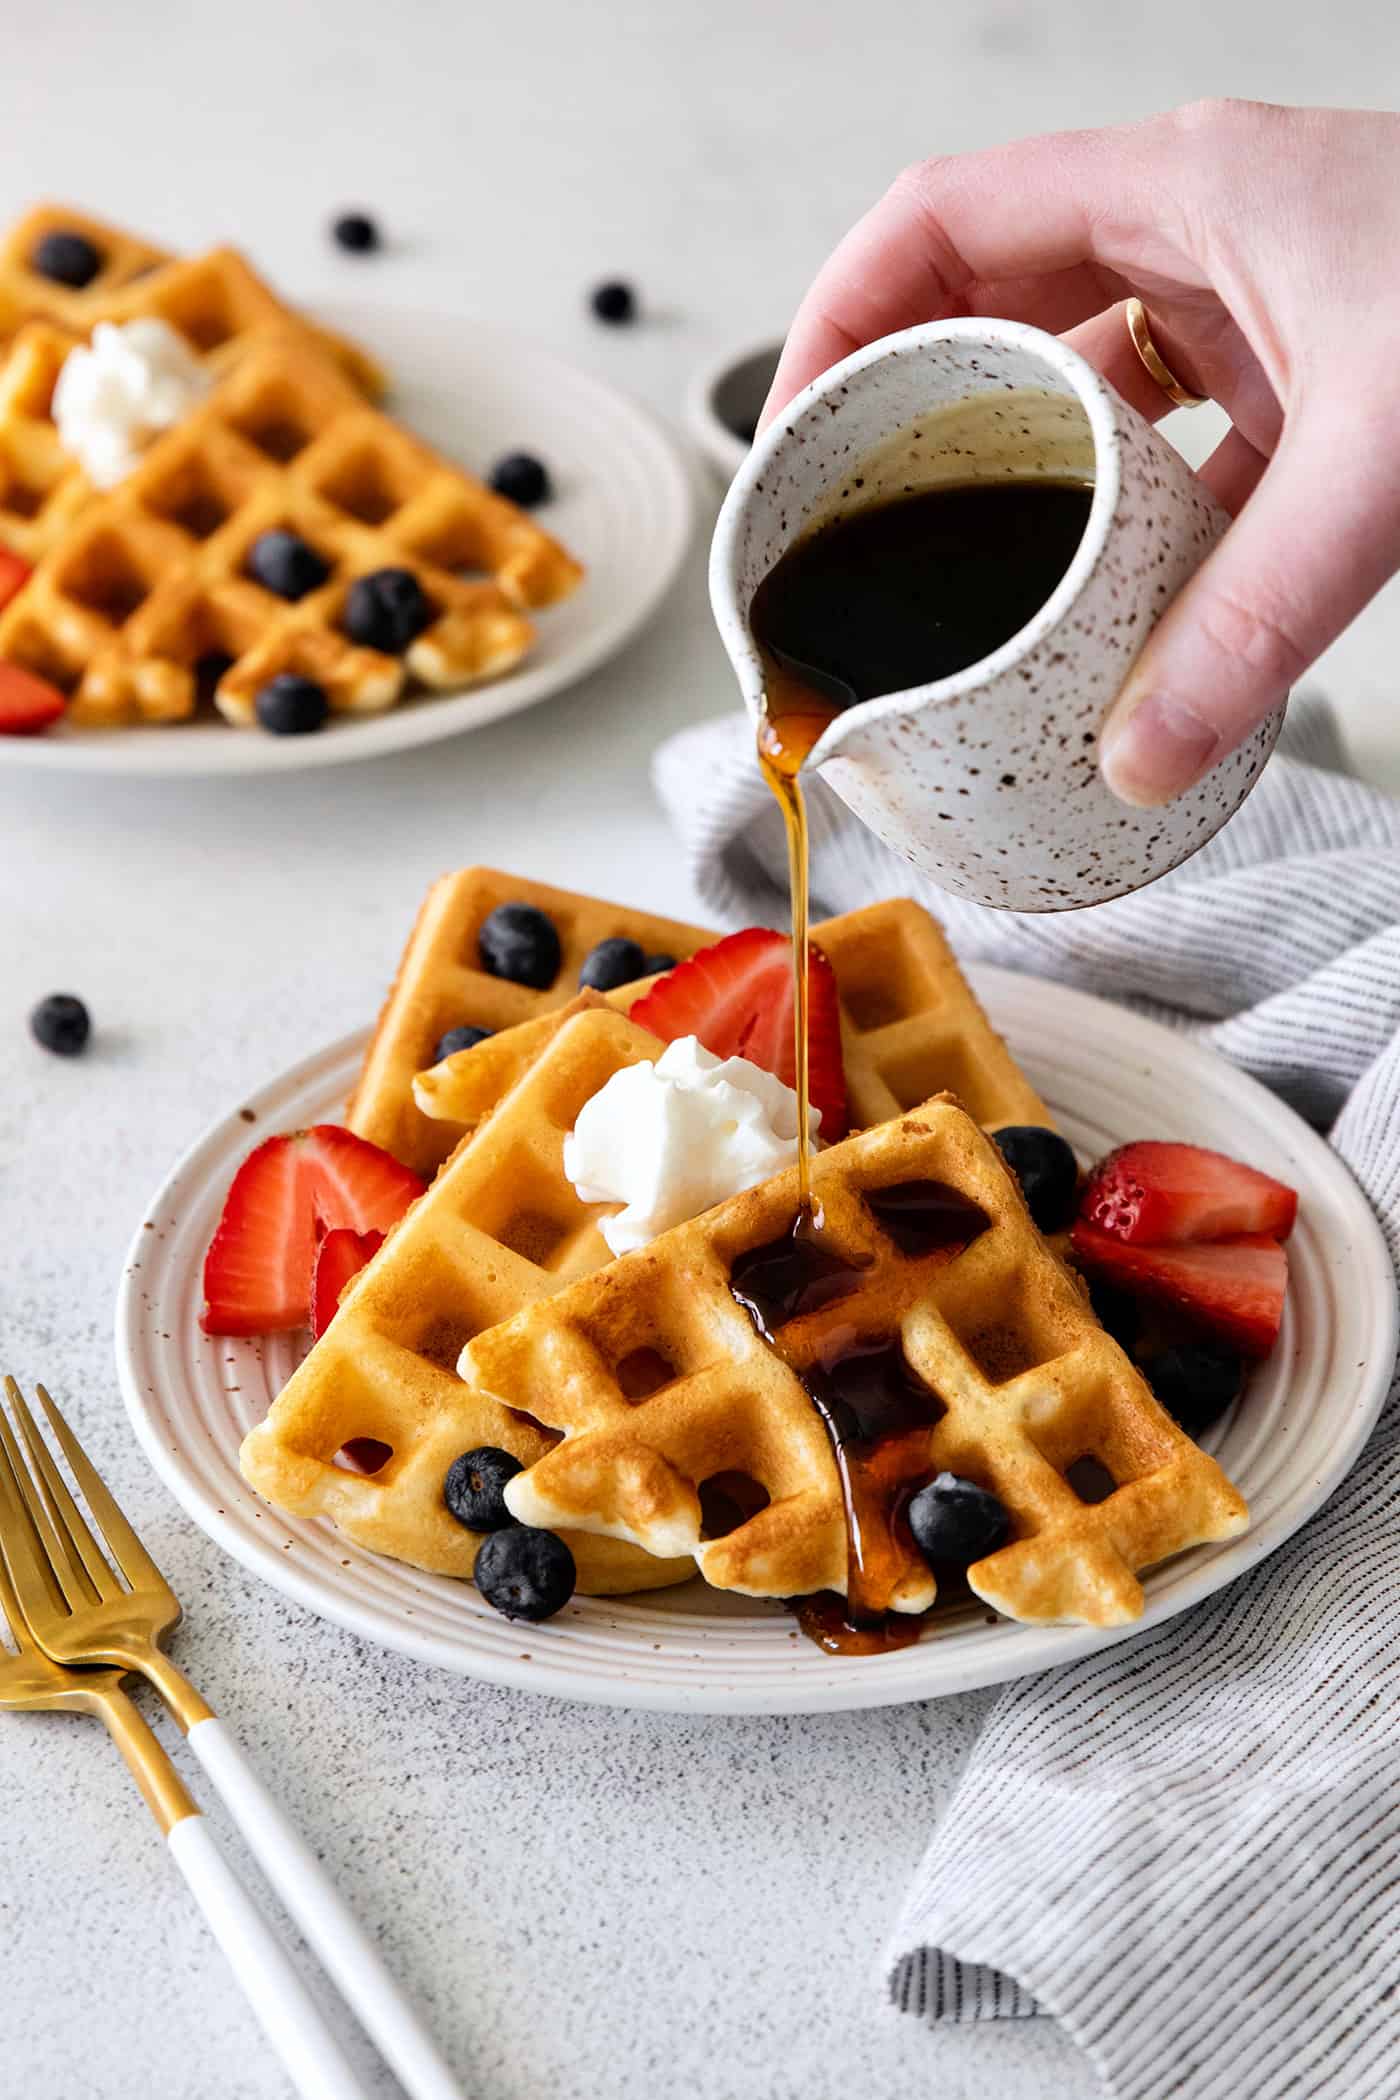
25	293
440	986
146	598
665	1391
210	298
43	490
911	1027
500	1228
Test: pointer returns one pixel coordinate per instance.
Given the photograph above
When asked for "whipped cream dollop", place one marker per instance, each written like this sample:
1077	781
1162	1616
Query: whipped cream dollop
669	1140
115	394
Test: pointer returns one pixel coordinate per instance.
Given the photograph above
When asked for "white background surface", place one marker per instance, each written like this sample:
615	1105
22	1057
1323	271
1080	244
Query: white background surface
591	1904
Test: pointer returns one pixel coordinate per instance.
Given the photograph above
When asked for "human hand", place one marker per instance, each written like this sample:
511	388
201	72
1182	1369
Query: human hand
1265	244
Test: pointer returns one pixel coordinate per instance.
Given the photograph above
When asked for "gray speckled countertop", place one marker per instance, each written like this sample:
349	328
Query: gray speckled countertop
592	1905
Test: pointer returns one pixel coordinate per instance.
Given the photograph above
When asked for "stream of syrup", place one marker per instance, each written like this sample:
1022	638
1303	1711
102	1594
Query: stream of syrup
880	600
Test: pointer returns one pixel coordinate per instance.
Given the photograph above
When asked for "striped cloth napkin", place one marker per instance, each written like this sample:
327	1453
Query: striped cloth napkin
1186	1848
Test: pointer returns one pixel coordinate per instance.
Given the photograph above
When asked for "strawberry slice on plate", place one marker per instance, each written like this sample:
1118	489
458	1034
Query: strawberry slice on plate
259	1271
1230	1289
27	703
341	1255
1152	1193
14	575
737	997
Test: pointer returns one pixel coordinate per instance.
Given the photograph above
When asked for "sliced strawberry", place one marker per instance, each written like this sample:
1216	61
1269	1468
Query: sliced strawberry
14	575
259	1268
27	703
356	1184
341	1255
737	998
1152	1193
1232	1289
257	1273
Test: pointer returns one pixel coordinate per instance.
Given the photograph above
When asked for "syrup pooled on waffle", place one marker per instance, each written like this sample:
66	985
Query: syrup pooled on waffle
147	599
706	1402
500	1228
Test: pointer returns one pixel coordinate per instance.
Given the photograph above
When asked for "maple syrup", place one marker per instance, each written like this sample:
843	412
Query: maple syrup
879	600
875	1408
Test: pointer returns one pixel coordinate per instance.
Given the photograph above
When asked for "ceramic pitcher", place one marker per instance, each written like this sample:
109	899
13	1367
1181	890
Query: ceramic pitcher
988	780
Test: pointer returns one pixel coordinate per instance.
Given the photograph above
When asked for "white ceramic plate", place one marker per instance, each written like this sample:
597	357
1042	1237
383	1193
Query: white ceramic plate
1108	1075
624	504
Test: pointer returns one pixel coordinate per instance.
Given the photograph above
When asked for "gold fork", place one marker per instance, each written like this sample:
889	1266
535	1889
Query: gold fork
30	1680
83	1607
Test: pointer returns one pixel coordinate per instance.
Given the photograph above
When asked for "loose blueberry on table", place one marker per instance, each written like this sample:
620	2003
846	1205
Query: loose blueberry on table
356	232
61	1023
614	302
519	942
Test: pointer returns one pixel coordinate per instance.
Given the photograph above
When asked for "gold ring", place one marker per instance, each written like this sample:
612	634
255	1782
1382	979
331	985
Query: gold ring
1135	313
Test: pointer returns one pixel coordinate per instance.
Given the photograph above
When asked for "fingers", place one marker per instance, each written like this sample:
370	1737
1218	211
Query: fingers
1233	471
948	225
1315	541
1107	345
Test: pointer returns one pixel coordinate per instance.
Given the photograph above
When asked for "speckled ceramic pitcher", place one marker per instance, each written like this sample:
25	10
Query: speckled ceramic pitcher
988	780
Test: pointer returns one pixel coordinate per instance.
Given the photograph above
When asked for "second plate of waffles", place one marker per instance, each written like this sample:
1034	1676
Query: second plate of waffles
674	1403
142	608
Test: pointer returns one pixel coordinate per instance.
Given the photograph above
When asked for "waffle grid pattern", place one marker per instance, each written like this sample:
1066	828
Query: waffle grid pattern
499	1228
146	606
1026	1386
911	1027
440	985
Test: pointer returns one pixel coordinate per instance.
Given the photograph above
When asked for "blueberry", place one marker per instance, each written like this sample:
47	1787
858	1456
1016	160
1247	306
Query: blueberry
614	301
1046	1169
1115	1310
956	1521
1195	1382
356	232
290	705
522	479
657	965
61	1023
387	610
474	1489
282	562
517	941
464	1038
524	1573
67	258
613	962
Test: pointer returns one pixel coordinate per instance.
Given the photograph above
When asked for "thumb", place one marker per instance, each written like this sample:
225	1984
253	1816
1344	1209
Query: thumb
1313	544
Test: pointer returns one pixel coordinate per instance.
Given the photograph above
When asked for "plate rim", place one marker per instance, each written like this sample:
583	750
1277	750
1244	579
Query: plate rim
1035	1647
237	753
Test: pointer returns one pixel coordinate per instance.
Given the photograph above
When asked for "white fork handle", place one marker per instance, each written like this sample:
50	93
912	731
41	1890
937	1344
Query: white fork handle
343	1946
287	2013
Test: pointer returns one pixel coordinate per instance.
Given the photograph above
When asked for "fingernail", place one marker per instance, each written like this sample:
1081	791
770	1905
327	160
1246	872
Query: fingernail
1159	748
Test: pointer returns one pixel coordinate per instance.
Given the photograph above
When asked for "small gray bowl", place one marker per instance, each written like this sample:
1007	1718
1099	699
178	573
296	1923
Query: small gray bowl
723	403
